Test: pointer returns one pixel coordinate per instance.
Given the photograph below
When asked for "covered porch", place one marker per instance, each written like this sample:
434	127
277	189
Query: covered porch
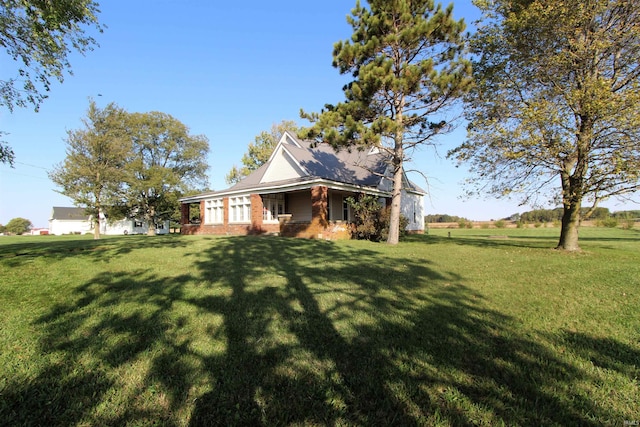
316	212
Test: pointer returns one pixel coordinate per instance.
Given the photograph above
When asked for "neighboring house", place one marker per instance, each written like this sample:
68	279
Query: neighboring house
39	231
76	221
69	221
300	191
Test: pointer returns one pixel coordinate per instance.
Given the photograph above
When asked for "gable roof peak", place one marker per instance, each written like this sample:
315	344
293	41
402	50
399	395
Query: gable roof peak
289	138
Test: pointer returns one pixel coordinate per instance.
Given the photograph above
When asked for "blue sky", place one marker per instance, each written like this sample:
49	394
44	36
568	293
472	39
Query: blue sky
227	70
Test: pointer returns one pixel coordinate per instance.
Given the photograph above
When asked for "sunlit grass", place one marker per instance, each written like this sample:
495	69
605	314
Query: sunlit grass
184	330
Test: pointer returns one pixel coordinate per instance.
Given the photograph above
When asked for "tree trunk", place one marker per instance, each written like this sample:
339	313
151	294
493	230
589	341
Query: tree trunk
398	175
394	217
571	203
572	177
96	228
570	225
151	231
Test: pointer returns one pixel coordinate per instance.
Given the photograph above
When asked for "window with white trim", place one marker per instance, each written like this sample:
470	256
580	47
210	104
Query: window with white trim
345	209
273	206
240	209
213	211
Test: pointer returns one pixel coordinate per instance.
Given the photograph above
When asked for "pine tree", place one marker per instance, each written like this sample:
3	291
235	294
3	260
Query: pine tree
407	61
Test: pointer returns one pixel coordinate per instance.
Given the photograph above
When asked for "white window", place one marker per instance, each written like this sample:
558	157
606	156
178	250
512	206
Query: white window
273	206
213	211
240	209
345	209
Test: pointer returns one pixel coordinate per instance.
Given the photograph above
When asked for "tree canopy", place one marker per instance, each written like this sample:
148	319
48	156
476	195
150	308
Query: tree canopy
260	150
165	162
39	35
18	226
93	173
131	165
554	112
408	65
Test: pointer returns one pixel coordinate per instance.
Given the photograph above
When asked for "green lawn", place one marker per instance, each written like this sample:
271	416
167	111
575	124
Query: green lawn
486	327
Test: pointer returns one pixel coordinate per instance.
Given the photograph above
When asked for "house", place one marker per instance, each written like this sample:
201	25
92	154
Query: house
69	221
39	231
300	191
76	221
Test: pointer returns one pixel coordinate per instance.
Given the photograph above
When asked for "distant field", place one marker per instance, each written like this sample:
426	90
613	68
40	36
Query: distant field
479	327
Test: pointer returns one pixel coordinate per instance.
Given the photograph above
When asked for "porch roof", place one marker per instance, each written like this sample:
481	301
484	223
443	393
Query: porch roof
286	186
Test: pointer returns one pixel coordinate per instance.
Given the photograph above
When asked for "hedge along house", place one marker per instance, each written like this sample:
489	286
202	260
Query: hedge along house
300	191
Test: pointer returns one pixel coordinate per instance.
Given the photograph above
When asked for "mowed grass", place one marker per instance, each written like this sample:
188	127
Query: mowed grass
486	327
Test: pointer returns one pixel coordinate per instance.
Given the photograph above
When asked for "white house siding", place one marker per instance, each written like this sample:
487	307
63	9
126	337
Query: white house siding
412	208
59	227
127	226
282	167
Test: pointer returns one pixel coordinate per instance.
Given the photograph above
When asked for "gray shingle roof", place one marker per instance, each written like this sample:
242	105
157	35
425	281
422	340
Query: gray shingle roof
62	213
355	167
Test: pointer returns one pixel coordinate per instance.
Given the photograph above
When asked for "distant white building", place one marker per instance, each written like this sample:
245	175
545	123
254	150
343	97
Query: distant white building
75	221
69	221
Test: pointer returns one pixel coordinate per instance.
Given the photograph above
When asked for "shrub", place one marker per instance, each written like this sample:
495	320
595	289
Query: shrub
372	221
500	223
384	221
609	223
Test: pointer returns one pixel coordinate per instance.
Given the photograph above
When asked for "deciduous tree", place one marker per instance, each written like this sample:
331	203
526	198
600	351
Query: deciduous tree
407	61
39	36
6	152
554	112
93	172
18	226
166	161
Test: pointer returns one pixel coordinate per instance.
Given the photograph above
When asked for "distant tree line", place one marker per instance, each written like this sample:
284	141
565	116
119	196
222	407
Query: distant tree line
543	215
550	215
434	218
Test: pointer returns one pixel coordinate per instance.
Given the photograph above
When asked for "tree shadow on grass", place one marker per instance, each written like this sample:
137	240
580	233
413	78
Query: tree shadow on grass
273	331
397	343
53	249
108	327
502	238
489	240
606	353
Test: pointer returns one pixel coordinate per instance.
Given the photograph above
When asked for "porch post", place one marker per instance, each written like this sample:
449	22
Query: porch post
318	210
257	207
184	214
319	204
225	213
